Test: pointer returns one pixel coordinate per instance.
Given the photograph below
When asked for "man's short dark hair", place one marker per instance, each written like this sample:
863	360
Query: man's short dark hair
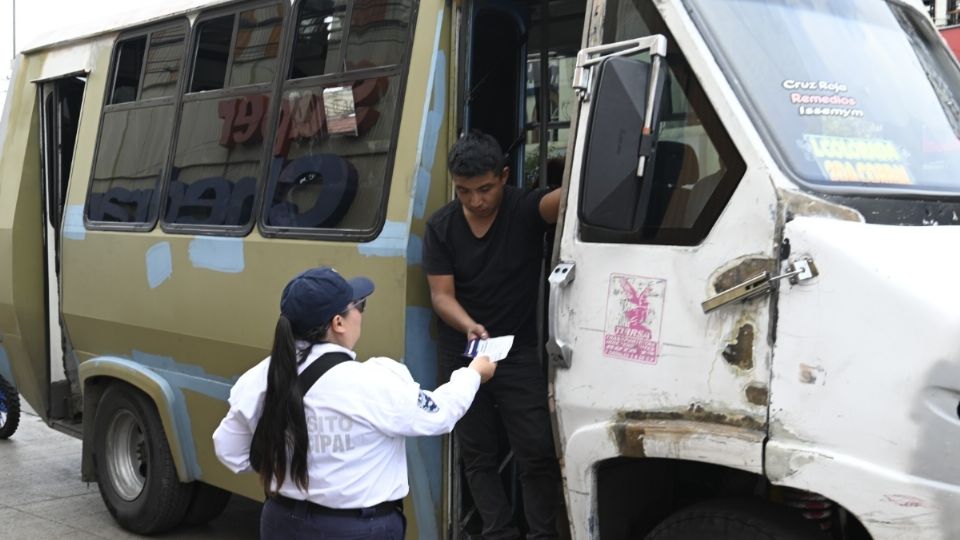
475	154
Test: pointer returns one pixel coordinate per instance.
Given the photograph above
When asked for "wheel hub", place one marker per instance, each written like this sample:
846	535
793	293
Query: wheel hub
126	455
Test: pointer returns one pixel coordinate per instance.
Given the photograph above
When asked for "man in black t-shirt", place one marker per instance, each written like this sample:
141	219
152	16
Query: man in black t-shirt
482	254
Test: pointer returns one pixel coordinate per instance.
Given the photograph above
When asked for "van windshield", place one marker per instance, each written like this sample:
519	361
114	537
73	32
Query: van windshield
855	95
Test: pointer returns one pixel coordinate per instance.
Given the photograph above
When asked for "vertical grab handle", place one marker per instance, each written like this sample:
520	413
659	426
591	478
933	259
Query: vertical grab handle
560	351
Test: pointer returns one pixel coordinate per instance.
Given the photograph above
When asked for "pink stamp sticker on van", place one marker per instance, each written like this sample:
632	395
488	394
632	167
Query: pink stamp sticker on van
633	318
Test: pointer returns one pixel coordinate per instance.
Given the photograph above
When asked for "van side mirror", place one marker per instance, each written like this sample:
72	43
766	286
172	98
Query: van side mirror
620	143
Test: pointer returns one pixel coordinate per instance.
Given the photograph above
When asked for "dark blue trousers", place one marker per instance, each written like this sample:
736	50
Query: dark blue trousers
278	522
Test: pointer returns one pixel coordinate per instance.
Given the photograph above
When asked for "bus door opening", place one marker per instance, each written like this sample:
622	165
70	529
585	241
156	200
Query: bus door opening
59	103
519	59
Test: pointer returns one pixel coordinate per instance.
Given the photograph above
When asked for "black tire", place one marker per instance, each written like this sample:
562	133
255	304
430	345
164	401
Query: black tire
207	503
135	469
735	519
9	409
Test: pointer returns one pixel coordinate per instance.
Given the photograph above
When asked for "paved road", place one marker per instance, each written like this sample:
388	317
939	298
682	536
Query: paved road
42	497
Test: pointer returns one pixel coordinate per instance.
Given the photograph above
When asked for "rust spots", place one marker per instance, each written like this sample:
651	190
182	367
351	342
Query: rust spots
744	270
801	204
757	394
740	352
629	438
694	413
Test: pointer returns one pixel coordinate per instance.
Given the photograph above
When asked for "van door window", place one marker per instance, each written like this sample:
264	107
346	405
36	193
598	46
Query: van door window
219	150
696	166
135	129
333	149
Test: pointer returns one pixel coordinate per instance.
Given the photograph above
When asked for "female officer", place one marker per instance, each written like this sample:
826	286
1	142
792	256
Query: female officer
330	449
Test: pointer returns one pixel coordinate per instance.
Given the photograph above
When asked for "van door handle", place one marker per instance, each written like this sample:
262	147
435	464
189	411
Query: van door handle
559	350
762	283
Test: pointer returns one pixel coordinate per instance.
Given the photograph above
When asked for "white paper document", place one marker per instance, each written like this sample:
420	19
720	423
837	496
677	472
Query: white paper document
496	348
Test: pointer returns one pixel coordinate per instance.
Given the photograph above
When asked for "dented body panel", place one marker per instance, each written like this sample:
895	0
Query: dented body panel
865	381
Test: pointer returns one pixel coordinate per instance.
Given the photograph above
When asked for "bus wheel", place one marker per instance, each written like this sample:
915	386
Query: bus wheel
735	519
207	503
135	469
9	409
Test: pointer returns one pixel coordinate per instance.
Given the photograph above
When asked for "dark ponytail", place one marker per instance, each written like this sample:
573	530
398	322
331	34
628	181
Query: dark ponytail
283	424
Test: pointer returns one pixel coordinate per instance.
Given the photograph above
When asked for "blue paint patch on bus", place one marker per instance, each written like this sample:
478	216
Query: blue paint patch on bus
217	254
159	264
430	132
5	370
186	376
424	453
392	241
420	355
425	493
73	228
415	250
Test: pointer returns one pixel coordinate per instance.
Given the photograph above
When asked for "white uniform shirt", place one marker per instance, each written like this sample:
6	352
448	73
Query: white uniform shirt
358	414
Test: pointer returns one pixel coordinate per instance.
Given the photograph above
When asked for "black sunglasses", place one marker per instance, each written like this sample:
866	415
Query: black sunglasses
361	305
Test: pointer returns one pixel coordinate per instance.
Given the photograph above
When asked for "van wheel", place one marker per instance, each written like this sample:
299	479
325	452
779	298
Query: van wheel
135	469
735	519
207	503
9	409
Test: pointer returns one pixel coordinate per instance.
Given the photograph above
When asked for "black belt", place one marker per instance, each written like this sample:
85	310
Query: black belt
383	509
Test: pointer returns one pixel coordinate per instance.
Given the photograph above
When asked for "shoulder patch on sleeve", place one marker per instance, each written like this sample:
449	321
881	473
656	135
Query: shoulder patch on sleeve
427	403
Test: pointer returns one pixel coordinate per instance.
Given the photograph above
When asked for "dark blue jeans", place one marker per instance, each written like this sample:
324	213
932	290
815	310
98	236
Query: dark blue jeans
277	522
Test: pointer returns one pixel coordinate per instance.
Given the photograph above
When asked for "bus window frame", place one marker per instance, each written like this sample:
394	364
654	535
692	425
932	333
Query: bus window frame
277	87
145	31
285	83
272	90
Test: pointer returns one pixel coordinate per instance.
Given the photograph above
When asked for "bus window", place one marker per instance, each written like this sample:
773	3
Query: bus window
333	148
219	144
256	47
135	129
316	48
212	52
162	70
378	33
128	62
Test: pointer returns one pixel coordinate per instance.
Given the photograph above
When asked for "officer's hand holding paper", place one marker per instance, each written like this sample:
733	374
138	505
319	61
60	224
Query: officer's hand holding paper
496	348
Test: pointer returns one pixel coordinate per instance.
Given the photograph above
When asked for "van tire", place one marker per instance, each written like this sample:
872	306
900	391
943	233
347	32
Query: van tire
9	409
207	503
136	473
735	519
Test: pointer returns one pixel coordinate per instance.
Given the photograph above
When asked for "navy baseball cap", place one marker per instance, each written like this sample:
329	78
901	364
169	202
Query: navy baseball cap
313	297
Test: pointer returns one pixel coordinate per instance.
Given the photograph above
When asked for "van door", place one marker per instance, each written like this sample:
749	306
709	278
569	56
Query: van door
639	369
59	103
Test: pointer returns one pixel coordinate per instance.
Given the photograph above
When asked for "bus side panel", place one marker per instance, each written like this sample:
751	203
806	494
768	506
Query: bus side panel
425	455
22	294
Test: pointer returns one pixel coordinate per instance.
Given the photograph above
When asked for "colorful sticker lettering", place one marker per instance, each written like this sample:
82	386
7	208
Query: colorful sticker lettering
850	159
633	318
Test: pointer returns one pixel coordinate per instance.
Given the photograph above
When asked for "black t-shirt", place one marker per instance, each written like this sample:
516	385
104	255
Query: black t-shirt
496	277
